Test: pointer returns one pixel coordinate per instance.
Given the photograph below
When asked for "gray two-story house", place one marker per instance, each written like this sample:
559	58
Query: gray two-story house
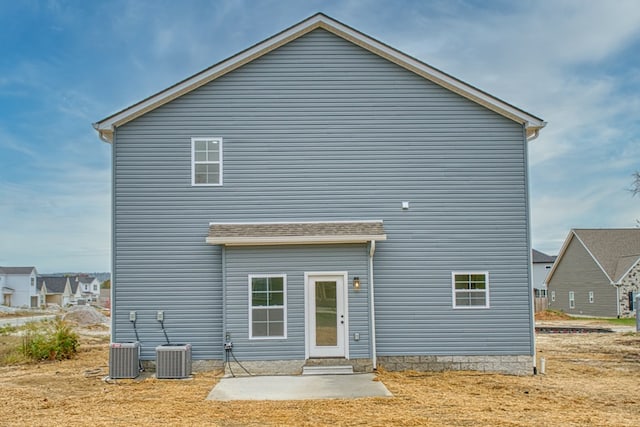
323	196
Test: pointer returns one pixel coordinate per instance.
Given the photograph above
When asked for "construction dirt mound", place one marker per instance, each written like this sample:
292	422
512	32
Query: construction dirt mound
84	315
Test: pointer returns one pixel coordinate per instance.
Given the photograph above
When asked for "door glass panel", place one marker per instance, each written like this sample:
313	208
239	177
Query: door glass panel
326	314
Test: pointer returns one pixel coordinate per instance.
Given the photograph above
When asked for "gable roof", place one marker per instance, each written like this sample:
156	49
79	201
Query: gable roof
85	279
532	124
280	233
541	257
56	284
16	270
615	250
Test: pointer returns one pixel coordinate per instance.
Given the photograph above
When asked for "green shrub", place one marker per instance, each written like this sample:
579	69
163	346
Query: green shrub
53	340
7	329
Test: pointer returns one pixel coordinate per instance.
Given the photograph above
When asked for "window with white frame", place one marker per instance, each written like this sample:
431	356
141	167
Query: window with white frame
553	296
267	306
572	299
540	293
590	297
470	289
206	155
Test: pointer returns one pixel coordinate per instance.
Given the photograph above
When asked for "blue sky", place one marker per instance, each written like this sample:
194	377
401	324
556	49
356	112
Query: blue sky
67	64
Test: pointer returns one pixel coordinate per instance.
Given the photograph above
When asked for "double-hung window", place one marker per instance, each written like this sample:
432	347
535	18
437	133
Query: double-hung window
470	289
572	299
268	306
206	159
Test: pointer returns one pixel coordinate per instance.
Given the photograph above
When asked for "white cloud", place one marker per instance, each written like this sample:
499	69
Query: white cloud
60	223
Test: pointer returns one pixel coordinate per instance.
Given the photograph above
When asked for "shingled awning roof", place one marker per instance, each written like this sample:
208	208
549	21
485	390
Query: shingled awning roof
287	233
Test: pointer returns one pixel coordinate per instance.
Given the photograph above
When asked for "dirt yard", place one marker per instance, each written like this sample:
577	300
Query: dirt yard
591	380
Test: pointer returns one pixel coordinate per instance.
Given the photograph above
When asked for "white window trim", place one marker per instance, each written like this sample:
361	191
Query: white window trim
193	161
591	297
470	307
553	296
284	306
572	299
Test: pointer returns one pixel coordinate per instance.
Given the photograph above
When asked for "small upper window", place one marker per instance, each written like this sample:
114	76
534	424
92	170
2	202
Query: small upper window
591	297
206	155
470	290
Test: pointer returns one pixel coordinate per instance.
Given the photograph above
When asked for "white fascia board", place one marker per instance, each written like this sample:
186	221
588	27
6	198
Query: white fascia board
106	126
593	257
531	123
619	282
293	240
565	246
563	249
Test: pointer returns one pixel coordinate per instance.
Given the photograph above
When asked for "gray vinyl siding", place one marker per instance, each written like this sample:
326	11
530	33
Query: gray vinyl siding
321	129
293	261
578	272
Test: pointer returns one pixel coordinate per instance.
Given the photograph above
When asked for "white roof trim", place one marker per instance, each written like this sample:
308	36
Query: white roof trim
293	240
107	126
626	273
565	246
592	256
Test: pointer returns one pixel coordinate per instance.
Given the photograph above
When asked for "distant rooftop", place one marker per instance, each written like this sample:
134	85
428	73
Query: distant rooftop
541	257
16	270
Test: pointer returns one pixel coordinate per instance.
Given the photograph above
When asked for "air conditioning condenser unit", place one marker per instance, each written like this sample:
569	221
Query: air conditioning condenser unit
173	361
124	360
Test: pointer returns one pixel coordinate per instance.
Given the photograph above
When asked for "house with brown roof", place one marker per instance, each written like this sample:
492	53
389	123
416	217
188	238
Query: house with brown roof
597	273
324	195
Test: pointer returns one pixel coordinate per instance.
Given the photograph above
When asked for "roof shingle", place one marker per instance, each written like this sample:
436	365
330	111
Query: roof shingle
295	232
615	249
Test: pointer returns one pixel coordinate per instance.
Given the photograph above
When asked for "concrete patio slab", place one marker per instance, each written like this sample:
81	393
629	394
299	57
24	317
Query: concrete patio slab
308	387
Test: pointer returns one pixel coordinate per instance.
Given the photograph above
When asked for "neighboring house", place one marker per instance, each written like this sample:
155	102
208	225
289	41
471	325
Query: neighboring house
88	288
322	194
597	273
542	264
60	290
18	286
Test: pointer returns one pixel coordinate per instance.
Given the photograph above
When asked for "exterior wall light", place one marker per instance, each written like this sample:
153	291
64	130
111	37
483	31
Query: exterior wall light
356	282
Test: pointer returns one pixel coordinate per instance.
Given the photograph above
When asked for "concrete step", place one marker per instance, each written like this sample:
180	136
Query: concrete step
327	370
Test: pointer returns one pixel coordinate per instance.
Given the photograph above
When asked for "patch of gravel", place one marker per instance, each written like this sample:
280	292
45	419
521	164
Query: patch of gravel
85	315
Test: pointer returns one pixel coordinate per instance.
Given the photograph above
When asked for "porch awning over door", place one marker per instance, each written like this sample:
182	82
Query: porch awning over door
288	233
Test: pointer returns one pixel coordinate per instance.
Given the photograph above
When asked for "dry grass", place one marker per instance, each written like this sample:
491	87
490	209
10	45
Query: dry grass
552	315
591	380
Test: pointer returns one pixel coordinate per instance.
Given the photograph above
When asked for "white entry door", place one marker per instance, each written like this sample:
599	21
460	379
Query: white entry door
326	315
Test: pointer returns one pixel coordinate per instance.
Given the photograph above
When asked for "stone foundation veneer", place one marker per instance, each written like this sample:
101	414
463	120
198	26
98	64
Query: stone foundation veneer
513	365
631	282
